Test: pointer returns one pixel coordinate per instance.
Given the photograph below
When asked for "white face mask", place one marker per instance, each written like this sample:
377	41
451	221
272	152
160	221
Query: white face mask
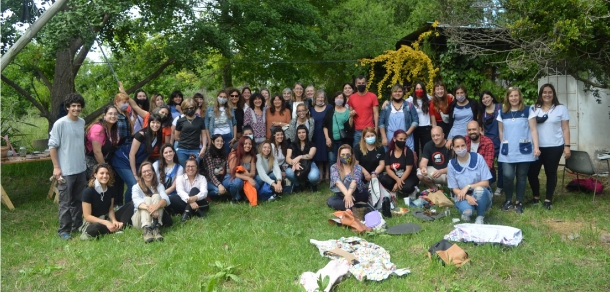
222	100
460	98
461	152
339	102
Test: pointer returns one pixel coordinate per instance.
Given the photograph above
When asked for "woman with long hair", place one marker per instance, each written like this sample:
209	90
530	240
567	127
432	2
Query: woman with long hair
370	154
310	92
318	113
298	97
303	119
553	127
192	189
246	93
98	214
287	96
348	90
219	120
168	169
213	166
149	202
400	170
299	156
519	136
255	117
421	101
334	125
236	102
398	114
200	104
190	133
277	115
102	139
440	106
461	111
175	103
244	155
128	157
346	181
490	109
279	148
157	100
266	94
268	170
468	178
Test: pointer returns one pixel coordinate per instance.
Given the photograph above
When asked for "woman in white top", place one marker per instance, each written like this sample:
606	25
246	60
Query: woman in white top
552	122
279	148
421	101
192	189
149	200
268	170
168	169
303	118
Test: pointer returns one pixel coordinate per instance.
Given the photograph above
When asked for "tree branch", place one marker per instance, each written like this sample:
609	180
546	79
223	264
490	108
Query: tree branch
587	81
43	111
44	78
91	117
82	54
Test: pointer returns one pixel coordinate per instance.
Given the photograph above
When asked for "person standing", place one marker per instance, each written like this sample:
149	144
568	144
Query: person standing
67	151
552	124
318	113
490	109
365	108
334	125
277	115
461	111
398	114
519	137
421	101
440	107
255	116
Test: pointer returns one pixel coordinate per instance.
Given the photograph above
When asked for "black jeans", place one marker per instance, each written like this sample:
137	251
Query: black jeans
178	206
421	136
97	229
407	188
336	202
549	157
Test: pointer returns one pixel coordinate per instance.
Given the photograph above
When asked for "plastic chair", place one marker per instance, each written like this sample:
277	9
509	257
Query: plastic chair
579	163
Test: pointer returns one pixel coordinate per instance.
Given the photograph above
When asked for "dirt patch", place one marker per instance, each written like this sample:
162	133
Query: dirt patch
566	227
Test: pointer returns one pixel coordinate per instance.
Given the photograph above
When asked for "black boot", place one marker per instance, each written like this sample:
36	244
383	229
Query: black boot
199	213
385	208
187	213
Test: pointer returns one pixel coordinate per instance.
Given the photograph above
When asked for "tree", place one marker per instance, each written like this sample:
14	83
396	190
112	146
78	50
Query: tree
65	41
552	37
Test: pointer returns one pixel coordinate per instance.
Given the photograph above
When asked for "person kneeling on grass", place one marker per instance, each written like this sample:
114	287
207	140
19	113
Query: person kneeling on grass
149	201
192	191
98	205
346	181
468	178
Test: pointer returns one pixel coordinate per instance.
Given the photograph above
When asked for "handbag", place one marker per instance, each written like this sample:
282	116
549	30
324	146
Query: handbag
439	199
449	253
342	132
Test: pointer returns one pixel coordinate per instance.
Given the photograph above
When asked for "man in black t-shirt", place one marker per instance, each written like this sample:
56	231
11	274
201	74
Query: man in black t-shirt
435	157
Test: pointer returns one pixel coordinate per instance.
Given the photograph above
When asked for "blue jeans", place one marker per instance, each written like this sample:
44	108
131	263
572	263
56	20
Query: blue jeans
357	137
332	155
260	181
183	155
313	176
520	170
235	186
212	190
483	198
130	181
227	148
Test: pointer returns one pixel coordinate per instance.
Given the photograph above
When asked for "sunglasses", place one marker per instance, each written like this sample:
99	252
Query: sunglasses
234	95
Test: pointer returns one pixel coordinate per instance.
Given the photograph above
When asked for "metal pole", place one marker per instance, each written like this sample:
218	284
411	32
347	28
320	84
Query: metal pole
30	33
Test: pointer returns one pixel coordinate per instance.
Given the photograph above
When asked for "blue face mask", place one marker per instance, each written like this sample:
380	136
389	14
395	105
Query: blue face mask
370	140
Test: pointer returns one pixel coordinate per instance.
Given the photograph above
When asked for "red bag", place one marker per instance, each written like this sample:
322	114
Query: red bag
249	189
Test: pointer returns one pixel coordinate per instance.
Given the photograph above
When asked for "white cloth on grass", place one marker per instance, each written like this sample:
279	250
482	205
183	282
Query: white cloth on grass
479	233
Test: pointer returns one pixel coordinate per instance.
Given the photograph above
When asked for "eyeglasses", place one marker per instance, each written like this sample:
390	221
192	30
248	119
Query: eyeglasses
234	95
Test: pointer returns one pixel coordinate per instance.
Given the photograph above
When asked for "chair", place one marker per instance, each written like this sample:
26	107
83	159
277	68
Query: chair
579	163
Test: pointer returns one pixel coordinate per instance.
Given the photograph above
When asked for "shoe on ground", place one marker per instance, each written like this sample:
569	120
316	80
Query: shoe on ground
386	208
199	213
465	218
272	198
533	202
547	205
185	216
498	192
156	233
413	195
65	236
506	206
479	220
519	208
234	202
148	235
85	236
314	188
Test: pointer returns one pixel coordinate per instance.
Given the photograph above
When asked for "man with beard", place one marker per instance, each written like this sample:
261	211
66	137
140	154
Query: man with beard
364	107
435	157
480	144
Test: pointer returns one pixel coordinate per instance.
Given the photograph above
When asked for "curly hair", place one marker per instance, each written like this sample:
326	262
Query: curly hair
97	168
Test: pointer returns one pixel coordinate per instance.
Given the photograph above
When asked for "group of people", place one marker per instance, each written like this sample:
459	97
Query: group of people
150	162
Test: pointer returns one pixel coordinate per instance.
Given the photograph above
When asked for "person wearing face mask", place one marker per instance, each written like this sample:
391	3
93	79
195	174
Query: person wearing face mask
468	178
303	119
334	123
190	133
370	154
220	120
421	101
346	181
400	174
461	111
490	109
121	102
248	132
318	113
398	114
364	106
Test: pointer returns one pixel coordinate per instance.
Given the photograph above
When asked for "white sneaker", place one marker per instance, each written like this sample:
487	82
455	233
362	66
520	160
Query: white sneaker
465	218
498	192
413	195
479	220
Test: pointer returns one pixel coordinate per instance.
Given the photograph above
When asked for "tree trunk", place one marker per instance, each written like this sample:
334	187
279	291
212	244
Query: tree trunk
63	82
227	76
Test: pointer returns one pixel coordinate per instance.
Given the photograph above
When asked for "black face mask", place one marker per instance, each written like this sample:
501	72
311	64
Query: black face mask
542	119
361	88
400	144
189	112
142	103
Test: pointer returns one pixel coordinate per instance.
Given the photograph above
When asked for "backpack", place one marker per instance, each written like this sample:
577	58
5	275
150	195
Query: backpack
586	185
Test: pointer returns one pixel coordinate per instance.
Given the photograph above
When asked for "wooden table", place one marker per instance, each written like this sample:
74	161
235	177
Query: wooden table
16	160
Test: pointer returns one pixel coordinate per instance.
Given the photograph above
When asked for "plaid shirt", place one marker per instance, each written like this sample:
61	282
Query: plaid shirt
123	127
486	149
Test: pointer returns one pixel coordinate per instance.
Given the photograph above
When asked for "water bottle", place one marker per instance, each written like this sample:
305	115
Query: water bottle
22	151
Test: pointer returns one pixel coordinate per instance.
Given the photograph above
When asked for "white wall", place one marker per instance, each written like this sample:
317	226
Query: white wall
589	115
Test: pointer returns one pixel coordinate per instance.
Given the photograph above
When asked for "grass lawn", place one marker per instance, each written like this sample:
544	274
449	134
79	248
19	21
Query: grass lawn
270	246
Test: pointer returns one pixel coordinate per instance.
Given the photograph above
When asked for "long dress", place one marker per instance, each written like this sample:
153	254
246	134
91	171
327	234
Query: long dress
319	140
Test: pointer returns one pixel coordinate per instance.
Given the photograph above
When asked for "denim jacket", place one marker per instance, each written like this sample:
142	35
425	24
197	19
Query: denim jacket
210	119
411	118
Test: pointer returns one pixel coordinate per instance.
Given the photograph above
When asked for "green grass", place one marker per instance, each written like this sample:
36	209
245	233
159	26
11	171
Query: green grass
270	246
